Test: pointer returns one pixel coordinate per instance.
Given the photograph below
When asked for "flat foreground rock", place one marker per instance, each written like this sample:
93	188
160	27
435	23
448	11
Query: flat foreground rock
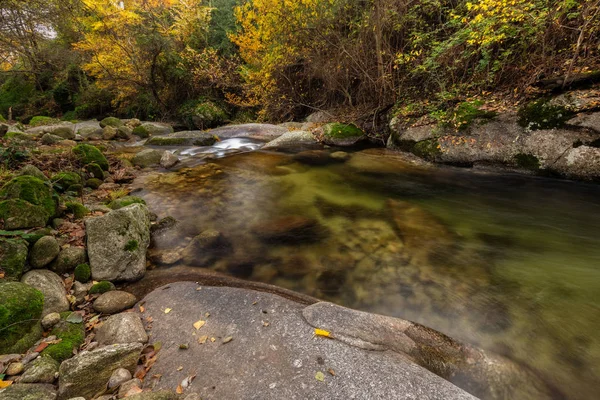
240	343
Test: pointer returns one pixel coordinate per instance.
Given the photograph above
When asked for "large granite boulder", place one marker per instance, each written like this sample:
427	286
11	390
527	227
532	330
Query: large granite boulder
51	286
20	310
87	373
117	243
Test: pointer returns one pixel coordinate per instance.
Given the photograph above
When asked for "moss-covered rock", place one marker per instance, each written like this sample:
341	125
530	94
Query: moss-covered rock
111	121
203	114
427	149
27	202
89	154
68	259
93	183
75	190
541	114
336	134
185	138
32	170
125	201
41	120
527	161
20	310
13	256
83	273
77	209
102	287
44	251
141	132
71	334
95	171
63	180
147	158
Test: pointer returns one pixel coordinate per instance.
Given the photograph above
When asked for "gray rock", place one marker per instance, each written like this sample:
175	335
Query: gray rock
168	160
119	377
29	357
90	132
131	386
50	320
117	243
43	252
147	158
80	290
50	284
41	370
113	302
109	132
155	128
290	139
266	132
320	117
13	258
87	373
68	259
122	328
157	395
124	132
244	367
32	170
14	368
183	138
65	130
28	391
49	139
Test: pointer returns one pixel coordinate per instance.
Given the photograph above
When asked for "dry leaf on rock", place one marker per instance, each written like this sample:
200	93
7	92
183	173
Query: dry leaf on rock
167	310
199	324
320	376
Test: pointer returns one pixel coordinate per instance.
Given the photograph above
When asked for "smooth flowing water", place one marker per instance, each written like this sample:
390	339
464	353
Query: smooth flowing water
507	262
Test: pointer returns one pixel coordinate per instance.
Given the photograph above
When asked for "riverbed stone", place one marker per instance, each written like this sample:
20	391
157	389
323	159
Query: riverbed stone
52	287
168	160
117	243
292	139
337	134
32	170
20	310
272	355
111	303
132	386
184	138
87	373
50	320
90	154
49	139
28	391
26	202
290	228
109	132
205	248
264	132
13	258
122	328
120	376
147	158
68	259
14	368
43	252
41	370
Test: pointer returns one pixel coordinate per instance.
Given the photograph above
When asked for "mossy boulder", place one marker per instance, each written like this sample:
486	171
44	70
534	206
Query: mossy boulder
20	310
95	171
13	257
337	134
68	259
89	154
77	209
203	114
125	201
41	120
541	114
49	139
44	251
71	332
83	273
111	121
32	170
150	128
63	180
141	132
93	183
147	158
27	202
102	287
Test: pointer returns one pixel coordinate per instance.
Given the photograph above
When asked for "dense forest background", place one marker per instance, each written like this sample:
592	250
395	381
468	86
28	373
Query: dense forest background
283	59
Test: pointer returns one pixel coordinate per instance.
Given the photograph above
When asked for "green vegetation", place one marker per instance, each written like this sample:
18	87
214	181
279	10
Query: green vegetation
71	335
125	201
540	114
83	273
132	245
102	287
63	180
41	120
89	154
13	256
20	310
32	190
141	132
111	121
77	209
342	131
462	116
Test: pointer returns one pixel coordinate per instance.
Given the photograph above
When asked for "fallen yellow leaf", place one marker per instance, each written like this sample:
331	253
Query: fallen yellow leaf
167	310
322	332
199	324
212	339
202	339
4	384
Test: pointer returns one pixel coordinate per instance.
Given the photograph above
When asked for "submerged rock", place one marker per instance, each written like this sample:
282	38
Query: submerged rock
117	243
87	373
205	248
289	229
168	160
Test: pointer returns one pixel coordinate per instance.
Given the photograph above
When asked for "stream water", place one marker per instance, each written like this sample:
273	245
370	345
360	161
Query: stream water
507	262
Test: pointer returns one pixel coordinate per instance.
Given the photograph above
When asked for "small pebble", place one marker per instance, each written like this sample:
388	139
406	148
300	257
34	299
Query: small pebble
14	368
30	357
50	320
227	339
128	386
119	377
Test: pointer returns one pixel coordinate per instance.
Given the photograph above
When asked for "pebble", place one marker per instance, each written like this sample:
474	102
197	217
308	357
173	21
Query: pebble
119	377
128	386
50	320
14	368
114	301
30	357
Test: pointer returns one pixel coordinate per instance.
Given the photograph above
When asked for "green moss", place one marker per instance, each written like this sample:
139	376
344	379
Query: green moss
527	161
32	190
20	310
342	131
202	114
13	256
125	201
167	141
95	171
89	154
77	209
141	132
132	245
75	190
427	149
42	120
462	116
18	136
540	114
20	214
111	121
102	287
71	335
93	183
63	180
83	273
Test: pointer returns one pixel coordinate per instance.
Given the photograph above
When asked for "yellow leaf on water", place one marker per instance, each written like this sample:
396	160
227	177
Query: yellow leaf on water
199	324
167	310
322	332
